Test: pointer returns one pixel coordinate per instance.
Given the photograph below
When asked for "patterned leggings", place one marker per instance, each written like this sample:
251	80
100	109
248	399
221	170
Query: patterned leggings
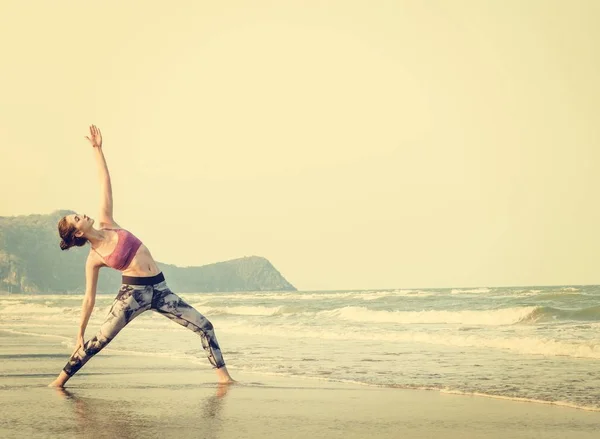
134	299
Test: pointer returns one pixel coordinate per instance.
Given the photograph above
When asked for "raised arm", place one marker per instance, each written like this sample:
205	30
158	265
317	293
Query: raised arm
106	201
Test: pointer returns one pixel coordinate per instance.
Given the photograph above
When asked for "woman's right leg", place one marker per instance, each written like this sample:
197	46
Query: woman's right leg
129	303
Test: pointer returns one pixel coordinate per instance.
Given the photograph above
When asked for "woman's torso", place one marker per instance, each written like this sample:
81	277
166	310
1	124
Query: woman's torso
123	248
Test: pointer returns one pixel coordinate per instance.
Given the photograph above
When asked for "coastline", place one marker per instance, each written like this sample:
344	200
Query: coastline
120	395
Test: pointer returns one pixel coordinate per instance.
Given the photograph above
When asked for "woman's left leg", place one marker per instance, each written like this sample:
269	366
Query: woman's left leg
172	306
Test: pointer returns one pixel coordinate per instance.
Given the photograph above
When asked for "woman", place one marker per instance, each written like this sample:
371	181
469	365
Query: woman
143	285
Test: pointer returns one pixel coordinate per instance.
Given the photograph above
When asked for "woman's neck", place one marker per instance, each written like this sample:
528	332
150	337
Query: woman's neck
96	237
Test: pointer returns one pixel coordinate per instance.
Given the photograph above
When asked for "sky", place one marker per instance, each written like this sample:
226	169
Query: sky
354	144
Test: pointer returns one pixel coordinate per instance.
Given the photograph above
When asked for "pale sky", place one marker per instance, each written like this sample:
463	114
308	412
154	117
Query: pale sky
354	144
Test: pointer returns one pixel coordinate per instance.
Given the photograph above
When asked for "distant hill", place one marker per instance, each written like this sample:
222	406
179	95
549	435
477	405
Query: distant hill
31	261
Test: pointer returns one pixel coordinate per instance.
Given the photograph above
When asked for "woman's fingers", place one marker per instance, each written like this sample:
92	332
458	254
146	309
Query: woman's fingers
94	131
95	137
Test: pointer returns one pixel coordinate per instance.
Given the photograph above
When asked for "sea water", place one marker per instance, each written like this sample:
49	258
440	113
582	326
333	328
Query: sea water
529	343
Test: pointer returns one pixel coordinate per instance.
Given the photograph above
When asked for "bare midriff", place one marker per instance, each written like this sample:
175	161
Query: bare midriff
142	264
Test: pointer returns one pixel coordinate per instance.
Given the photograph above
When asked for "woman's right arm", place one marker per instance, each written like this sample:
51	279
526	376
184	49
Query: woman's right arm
92	267
106	202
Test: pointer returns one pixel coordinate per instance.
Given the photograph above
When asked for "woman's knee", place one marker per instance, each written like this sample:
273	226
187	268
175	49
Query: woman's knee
96	344
207	326
198	320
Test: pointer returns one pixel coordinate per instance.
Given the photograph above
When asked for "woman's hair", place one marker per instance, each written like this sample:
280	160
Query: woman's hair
67	233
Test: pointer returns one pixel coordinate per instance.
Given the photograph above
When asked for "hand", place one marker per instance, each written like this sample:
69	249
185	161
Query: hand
79	344
95	137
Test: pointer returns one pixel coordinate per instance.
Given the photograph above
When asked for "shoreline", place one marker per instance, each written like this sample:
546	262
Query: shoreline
198	364
131	396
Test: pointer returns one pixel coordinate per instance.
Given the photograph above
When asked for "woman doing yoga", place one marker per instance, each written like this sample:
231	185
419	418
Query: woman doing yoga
143	286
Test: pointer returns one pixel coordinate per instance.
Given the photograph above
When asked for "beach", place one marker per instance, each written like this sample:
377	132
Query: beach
383	209
126	396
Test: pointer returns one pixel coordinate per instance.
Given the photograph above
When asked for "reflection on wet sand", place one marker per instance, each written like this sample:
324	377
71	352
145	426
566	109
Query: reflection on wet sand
134	415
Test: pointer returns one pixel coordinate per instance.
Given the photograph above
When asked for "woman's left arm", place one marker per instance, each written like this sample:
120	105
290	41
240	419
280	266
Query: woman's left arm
106	202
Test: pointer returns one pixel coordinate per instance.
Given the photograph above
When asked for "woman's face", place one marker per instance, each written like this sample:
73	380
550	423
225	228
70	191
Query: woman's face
82	223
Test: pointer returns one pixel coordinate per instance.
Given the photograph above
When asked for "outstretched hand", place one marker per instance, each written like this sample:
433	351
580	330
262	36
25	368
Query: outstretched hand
79	344
95	137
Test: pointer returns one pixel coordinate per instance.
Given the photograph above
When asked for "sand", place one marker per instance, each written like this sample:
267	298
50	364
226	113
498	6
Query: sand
124	396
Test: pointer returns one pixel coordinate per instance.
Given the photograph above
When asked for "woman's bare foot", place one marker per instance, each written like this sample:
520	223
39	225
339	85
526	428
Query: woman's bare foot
60	381
223	376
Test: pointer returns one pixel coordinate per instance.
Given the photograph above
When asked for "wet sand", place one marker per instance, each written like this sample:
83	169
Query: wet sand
123	396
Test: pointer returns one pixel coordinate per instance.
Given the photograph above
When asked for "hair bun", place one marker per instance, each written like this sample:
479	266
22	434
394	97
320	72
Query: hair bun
63	245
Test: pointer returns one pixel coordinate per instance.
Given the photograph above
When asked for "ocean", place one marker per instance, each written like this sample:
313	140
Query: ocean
537	344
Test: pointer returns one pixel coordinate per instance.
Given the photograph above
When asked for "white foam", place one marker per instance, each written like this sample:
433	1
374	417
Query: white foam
242	310
401	293
31	308
35	334
506	316
521	399
304	296
470	291
4	303
517	344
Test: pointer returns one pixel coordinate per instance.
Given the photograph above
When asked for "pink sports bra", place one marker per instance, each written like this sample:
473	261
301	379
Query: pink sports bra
124	252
